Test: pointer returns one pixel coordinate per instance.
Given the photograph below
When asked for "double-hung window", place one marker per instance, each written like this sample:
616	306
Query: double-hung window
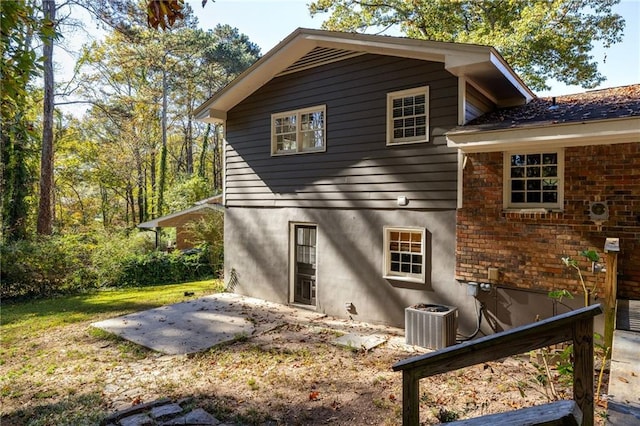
298	131
408	116
534	179
405	254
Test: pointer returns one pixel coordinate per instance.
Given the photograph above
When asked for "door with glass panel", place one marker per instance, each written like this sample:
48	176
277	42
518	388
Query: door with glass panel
304	288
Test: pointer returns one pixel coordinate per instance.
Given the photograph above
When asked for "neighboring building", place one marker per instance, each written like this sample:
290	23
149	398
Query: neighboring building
340	188
547	180
180	220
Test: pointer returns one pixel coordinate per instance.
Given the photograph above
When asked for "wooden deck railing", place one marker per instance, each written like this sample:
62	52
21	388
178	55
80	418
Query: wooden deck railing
575	326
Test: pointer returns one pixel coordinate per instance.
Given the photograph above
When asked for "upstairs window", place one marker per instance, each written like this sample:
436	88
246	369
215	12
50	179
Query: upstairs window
404	253
408	116
299	131
534	179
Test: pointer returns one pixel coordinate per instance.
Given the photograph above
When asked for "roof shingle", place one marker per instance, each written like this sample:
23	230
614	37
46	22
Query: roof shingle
616	102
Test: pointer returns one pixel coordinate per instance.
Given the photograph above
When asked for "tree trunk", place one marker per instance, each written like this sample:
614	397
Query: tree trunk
15	184
189	146
45	219
202	169
218	153
140	187
103	206
163	152
154	185
15	179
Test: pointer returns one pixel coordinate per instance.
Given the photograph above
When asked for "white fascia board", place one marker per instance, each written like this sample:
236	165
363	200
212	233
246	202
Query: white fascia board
502	66
597	132
249	81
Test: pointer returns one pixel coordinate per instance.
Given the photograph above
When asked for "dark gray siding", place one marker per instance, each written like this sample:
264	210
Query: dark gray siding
357	170
477	104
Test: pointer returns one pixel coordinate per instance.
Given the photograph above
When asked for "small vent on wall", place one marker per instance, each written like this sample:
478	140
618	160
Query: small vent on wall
598	211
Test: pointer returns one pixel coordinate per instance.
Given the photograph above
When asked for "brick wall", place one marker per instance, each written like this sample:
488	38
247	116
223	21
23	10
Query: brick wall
527	248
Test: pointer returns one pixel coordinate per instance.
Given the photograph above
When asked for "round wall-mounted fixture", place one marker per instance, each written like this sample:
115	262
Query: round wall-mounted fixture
598	211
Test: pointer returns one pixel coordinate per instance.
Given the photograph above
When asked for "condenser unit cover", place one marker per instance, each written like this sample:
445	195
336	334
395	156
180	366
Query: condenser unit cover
431	326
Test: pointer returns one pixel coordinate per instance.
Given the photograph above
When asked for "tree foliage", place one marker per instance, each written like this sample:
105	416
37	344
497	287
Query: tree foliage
137	89
107	165
542	40
21	24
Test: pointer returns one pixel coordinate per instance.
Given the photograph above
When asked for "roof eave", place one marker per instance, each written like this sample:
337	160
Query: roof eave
547	135
481	64
169	220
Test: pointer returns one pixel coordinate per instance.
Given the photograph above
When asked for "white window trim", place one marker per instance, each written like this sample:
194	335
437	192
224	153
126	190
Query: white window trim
506	195
299	112
404	276
399	94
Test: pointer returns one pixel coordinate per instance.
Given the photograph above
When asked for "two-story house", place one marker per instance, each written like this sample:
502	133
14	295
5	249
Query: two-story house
340	190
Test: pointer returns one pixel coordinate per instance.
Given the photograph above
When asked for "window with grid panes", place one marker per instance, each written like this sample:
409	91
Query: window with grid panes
534	179
405	253
298	131
408	116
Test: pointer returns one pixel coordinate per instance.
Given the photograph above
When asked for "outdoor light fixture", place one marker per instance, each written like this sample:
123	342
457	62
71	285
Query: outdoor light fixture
403	200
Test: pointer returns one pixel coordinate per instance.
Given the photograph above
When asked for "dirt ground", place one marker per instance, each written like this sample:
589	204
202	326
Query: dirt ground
291	374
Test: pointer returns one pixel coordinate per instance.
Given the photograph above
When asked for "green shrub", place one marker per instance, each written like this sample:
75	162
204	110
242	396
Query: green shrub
114	252
78	262
209	232
47	266
161	268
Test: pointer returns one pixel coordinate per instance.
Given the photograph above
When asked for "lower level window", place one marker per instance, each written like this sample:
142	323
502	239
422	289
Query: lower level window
404	252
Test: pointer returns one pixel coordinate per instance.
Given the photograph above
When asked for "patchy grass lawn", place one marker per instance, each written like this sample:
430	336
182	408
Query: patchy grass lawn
55	369
28	319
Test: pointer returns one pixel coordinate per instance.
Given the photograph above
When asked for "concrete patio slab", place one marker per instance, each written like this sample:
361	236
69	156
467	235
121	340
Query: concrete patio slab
196	325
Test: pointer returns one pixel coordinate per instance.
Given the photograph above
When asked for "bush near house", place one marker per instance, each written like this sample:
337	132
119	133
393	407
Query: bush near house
80	262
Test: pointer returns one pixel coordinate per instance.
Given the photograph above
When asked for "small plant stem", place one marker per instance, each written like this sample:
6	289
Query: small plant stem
604	359
548	373
584	287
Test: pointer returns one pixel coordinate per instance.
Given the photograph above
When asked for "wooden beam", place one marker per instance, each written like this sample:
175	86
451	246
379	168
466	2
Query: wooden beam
558	413
610	296
583	369
410	398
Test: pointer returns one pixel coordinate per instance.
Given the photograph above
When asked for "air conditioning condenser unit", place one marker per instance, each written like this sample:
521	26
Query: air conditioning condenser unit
431	326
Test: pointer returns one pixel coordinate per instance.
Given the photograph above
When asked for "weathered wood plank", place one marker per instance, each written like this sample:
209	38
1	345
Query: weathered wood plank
559	413
582	331
410	398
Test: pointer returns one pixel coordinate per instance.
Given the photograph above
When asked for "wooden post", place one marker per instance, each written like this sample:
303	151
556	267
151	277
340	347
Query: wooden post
610	296
583	369
410	398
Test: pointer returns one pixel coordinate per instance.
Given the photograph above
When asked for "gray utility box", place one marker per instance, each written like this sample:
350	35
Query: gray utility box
430	326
